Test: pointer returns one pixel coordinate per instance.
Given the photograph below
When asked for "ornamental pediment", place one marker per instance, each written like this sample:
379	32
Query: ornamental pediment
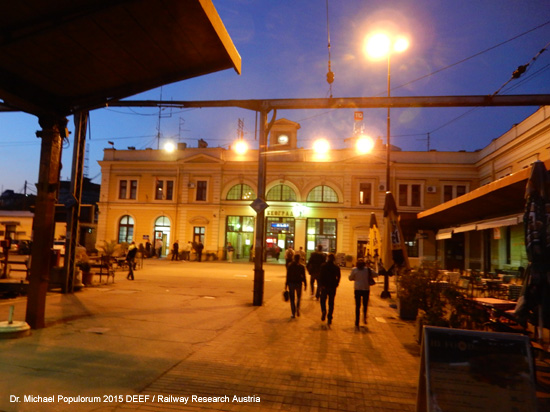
199	220
202	158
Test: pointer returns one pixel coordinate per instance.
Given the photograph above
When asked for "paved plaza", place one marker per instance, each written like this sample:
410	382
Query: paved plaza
185	336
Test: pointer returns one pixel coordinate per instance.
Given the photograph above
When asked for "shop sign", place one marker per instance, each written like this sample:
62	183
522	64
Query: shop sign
282	213
280	226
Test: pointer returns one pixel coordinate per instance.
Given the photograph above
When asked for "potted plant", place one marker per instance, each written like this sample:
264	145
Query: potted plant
87	275
419	289
349	261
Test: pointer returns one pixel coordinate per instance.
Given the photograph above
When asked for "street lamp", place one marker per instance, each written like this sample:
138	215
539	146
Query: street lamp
377	47
241	147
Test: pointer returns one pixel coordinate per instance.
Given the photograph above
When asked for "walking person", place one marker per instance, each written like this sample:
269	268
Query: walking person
295	276
175	250
130	259
158	247
329	279
289	256
362	275
230	251
314	263
302	254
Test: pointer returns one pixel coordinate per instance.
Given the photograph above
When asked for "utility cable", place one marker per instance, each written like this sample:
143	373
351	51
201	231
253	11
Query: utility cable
523	68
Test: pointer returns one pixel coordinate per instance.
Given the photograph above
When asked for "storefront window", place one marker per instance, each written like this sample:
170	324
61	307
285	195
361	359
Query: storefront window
321	232
240	233
279	236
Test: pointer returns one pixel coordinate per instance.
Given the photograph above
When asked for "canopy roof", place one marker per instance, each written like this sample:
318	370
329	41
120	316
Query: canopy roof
62	56
503	197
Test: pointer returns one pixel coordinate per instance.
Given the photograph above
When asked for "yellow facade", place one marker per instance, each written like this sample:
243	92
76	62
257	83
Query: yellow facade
331	198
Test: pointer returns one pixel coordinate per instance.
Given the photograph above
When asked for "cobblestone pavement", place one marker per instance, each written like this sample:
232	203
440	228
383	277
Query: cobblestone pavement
188	329
301	364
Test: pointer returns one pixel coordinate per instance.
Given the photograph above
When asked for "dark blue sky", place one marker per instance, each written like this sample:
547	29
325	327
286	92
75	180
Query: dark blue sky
467	47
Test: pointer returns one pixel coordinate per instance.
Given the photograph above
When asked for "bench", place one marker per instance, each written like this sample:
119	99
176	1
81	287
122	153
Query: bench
105	266
19	267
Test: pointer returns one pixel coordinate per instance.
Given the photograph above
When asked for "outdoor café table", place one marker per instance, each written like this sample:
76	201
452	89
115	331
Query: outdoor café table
500	304
493	287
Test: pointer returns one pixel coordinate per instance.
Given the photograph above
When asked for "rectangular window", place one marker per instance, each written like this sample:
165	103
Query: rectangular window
198	234
127	189
415	195
122	189
451	191
164	190
447	193
201	191
365	193
133	189
410	195
169	189
403	195
159	189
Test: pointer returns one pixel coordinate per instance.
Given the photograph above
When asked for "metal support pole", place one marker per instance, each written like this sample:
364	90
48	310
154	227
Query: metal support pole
80	121
259	244
388	139
52	133
386	292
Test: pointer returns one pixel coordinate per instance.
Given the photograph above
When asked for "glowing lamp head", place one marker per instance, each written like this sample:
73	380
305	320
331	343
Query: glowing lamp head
364	144
400	44
169	147
321	146
377	46
241	147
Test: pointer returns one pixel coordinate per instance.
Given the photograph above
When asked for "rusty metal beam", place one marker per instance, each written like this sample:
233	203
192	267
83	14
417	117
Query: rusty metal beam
52	133
350	102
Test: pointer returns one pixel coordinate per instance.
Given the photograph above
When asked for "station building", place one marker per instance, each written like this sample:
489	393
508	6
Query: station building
204	194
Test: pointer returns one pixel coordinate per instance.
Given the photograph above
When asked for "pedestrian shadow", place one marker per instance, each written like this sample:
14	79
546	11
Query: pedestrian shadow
361	329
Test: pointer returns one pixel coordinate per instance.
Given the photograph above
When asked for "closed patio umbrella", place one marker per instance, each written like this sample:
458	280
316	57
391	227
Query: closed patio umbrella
373	249
535	299
394	254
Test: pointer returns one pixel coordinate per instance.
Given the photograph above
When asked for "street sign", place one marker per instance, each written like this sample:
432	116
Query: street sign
259	205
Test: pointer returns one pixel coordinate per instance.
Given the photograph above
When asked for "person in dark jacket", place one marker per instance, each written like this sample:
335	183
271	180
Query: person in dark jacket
329	279
130	258
314	263
295	276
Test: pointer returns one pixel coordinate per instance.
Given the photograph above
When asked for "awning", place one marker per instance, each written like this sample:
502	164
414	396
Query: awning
447	233
503	197
465	228
60	56
502	222
443	234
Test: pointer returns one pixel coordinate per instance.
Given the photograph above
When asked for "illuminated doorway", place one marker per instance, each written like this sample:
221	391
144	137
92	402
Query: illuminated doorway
162	232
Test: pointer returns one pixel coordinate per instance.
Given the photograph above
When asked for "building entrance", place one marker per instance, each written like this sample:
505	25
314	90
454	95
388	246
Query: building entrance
279	236
162	232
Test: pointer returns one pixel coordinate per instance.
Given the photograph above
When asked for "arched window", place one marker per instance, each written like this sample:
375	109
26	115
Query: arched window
241	192
323	194
126	229
281	193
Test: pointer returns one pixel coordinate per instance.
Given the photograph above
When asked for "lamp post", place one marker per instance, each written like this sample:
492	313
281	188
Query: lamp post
378	46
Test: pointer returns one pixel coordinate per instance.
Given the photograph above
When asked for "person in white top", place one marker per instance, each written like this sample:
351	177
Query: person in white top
363	277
